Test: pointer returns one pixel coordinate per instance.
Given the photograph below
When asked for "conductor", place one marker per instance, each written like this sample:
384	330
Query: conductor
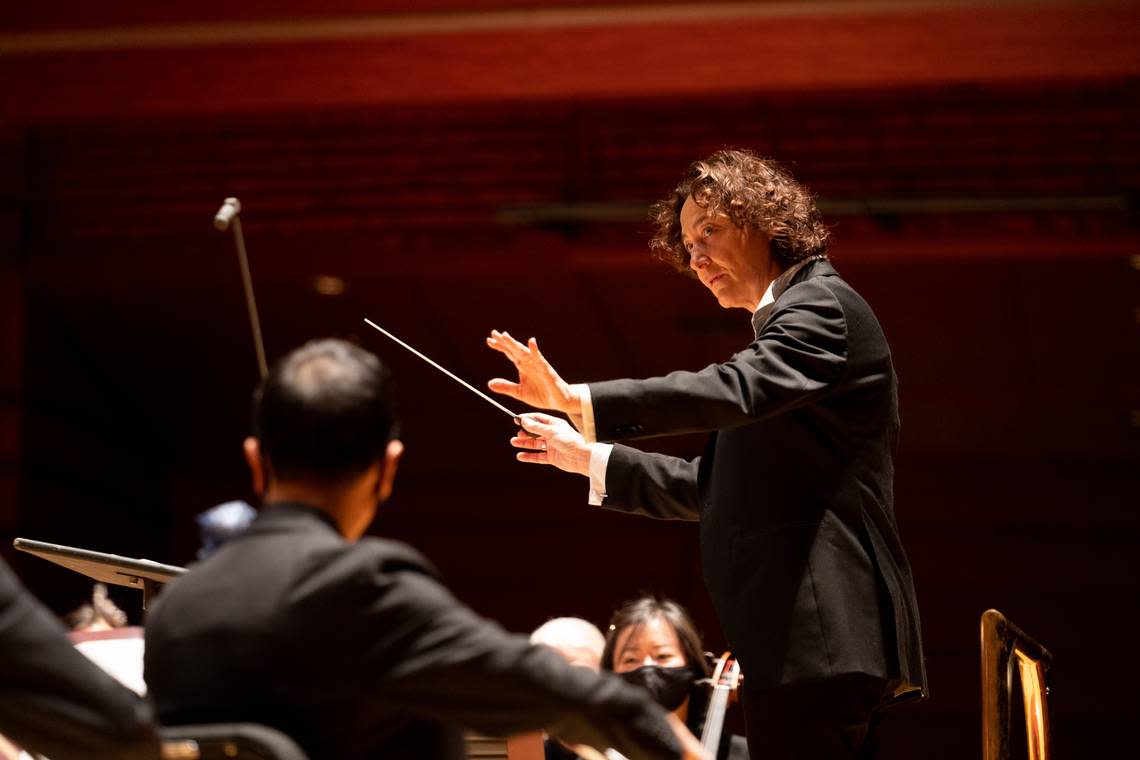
794	491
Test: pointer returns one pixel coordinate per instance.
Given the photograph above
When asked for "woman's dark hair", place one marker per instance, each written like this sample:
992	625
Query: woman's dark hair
751	191
326	411
646	609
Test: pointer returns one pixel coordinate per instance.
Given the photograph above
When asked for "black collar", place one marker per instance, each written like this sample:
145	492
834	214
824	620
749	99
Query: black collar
285	512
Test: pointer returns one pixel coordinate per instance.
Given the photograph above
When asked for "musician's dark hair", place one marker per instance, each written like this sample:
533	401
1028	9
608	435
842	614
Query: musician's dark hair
644	610
326	411
753	191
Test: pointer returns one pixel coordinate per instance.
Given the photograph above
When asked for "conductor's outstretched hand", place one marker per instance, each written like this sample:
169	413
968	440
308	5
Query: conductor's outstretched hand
539	385
552	441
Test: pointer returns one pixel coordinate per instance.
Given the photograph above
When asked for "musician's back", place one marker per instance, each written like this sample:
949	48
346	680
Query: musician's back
291	626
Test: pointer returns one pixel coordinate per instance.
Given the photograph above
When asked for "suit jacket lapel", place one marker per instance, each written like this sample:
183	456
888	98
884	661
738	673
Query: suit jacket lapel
781	284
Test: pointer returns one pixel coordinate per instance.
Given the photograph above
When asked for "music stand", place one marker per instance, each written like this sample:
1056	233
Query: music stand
112	569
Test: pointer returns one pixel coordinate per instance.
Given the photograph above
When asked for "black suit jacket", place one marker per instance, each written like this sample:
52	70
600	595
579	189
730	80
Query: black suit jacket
55	701
794	491
358	651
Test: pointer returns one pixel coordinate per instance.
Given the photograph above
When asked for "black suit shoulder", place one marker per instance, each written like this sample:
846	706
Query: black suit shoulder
799	355
358	650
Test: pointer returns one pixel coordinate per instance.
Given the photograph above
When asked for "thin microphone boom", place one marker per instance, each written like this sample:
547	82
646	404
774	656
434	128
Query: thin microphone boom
226	218
450	374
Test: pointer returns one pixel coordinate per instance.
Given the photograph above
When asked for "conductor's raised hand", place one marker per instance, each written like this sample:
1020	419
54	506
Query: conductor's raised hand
552	441
539	385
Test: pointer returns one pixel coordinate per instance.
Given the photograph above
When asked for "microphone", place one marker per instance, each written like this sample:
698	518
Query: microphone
231	207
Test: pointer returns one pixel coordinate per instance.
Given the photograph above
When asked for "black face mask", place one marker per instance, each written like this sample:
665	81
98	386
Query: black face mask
669	686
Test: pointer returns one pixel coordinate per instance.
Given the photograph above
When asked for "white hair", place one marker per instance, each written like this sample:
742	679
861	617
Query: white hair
578	640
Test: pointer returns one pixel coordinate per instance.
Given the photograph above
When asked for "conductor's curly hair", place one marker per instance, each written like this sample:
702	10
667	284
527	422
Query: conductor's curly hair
751	191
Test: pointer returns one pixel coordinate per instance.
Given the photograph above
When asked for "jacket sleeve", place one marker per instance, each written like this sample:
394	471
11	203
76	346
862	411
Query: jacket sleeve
799	355
55	701
654	485
432	656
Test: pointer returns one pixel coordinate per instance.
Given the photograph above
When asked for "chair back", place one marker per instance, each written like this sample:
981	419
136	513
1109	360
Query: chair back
521	747
228	741
1003	646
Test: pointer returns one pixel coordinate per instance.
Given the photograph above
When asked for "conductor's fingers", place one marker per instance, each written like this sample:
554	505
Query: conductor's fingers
532	346
520	441
499	343
506	387
541	418
534	457
537	422
502	348
508	345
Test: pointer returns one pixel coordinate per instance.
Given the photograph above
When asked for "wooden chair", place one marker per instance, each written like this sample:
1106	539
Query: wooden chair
521	747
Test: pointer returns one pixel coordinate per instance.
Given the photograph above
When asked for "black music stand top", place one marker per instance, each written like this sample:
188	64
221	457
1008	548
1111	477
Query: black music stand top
142	574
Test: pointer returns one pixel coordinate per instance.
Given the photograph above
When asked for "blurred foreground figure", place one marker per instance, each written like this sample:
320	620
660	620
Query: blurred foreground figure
794	492
53	700
352	646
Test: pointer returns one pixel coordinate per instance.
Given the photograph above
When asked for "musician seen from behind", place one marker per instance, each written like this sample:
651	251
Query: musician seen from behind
352	645
794	490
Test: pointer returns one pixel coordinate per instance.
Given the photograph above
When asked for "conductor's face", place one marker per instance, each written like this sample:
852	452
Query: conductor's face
733	262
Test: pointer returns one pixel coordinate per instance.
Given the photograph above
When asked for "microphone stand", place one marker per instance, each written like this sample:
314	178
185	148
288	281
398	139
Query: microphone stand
227	217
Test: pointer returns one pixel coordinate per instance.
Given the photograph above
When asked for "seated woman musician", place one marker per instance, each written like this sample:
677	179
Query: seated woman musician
652	642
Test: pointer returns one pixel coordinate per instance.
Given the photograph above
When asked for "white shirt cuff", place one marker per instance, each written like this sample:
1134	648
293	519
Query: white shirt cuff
587	410
599	461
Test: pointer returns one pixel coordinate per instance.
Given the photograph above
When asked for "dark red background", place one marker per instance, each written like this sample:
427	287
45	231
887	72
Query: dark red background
980	168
